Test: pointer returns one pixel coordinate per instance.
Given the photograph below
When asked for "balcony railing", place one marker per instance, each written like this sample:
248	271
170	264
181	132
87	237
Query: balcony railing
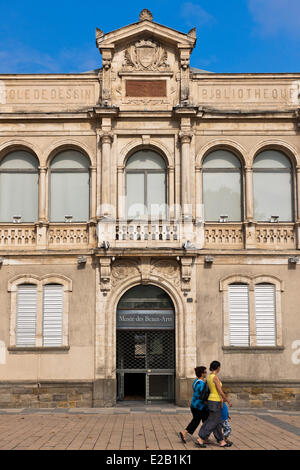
47	236
144	234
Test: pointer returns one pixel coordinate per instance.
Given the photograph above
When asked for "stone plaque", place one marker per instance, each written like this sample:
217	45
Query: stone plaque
146	88
145	319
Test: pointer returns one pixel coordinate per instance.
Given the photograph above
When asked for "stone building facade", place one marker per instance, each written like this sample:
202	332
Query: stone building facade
214	268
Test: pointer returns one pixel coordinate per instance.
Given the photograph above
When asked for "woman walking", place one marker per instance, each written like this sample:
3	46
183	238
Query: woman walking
214	403
198	407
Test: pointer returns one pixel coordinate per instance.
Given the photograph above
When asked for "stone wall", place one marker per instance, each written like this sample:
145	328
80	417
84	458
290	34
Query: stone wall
46	395
284	396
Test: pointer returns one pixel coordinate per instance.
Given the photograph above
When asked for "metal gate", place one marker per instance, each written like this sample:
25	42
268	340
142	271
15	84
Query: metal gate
151	353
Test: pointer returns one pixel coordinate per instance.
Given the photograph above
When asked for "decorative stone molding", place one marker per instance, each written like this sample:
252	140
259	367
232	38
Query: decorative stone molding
145	55
99	37
227	144
185	137
276	144
186	273
137	144
168	269
105	274
217	235
146	15
106	58
123	269
106	137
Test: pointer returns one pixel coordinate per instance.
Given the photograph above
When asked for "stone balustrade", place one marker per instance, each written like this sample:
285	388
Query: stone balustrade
122	234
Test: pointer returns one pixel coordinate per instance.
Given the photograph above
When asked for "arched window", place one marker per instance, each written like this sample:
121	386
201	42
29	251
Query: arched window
69	187
222	187
272	186
146	185
19	187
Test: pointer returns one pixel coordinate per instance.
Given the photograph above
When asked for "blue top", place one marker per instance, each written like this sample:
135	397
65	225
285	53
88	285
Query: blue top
225	412
198	386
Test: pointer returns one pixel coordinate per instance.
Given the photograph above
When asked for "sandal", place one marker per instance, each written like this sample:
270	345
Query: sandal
228	444
203	446
182	437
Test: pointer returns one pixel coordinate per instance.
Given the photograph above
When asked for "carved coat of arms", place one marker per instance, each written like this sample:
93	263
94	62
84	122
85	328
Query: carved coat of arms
145	55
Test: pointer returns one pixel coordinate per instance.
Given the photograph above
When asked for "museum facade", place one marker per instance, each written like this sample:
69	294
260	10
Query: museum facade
149	223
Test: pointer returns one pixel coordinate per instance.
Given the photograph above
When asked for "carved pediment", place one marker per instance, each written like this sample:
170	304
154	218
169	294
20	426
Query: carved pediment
145	55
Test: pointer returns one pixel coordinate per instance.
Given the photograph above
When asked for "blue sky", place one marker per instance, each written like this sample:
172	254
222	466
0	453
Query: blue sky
232	35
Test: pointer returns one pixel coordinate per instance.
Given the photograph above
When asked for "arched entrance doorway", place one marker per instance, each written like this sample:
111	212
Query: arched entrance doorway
145	345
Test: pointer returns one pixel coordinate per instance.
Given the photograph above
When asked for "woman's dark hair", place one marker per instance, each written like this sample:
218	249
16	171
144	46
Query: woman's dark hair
199	371
214	365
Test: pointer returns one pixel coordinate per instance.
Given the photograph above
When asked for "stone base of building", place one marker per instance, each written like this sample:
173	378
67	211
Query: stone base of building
102	393
284	396
46	394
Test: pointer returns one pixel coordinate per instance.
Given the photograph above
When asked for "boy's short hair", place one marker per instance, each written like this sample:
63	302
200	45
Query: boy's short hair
199	371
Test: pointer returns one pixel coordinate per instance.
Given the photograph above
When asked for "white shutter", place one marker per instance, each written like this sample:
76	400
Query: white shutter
26	315
52	314
239	314
265	315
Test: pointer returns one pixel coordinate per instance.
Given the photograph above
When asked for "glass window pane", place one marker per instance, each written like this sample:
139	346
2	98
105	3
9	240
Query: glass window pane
272	196
19	159
156	194
70	159
145	297
221	159
222	196
271	159
145	159
69	193
19	196
135	195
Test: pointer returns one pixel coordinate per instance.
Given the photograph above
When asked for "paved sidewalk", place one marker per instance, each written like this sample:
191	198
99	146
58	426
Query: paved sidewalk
139	428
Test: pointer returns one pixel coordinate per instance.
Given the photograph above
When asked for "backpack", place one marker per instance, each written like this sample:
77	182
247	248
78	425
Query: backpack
204	394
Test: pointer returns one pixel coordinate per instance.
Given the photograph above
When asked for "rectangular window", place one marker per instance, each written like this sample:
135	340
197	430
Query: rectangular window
239	314
268	200
265	315
69	196
222	195
156	194
135	197
52	315
26	315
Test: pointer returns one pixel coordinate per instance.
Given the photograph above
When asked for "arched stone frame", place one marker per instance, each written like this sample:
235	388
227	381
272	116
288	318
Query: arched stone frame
20	144
47	157
293	155
126	152
39	282
242	154
251	281
185	323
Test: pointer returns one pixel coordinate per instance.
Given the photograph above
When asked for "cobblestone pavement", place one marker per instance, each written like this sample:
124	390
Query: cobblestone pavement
140	428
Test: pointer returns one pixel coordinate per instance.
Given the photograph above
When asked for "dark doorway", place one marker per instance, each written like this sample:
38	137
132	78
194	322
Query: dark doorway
134	387
145	345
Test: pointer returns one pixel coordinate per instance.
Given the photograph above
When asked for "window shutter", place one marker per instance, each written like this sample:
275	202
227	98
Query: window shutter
26	315
265	315
239	314
52	315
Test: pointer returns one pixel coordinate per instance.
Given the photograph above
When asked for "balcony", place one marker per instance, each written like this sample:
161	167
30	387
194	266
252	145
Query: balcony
52	236
148	234
265	236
